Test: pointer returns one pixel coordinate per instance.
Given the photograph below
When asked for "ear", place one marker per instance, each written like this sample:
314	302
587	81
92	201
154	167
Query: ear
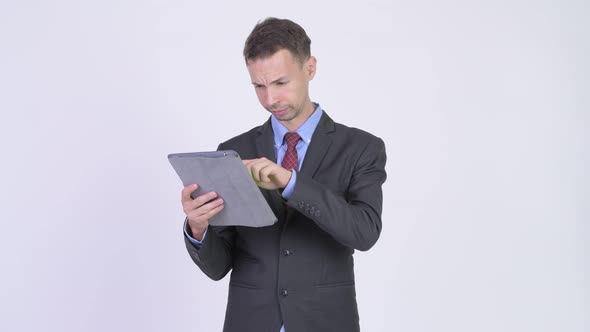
310	67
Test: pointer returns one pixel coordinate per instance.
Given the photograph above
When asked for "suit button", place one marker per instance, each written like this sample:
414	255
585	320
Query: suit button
317	213
301	205
286	252
284	293
312	210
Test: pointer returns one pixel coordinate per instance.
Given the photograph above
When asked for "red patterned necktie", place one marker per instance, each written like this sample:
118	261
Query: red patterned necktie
290	160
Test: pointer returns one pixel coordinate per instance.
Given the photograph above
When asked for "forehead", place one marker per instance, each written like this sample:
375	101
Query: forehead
279	64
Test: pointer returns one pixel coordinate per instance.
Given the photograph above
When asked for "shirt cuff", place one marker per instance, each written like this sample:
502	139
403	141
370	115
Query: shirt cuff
195	242
288	191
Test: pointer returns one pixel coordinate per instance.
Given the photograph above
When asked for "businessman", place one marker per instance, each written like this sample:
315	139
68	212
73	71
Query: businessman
323	181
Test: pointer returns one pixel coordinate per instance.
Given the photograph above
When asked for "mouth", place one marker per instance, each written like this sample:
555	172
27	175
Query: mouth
280	112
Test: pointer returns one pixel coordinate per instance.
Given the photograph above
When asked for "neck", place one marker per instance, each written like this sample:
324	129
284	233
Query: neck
296	122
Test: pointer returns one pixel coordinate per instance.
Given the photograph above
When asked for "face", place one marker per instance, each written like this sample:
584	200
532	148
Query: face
282	86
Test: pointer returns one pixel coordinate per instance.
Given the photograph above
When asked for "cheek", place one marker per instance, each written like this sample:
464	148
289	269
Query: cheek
297	93
261	95
293	93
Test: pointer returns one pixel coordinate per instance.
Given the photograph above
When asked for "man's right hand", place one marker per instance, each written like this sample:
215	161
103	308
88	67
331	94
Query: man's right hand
200	209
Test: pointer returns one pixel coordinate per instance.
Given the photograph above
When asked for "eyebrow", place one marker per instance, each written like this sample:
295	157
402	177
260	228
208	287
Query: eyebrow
282	78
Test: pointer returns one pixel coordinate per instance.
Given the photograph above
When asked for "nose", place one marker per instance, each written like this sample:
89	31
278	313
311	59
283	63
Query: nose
270	96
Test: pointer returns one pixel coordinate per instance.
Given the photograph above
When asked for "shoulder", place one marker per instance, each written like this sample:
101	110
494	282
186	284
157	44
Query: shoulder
245	137
355	136
245	143
342	132
364	150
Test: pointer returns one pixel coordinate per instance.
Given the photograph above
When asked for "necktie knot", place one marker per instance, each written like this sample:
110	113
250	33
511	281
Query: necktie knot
291	139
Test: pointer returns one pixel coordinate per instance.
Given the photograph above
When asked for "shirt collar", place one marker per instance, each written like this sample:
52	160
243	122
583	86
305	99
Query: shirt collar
305	130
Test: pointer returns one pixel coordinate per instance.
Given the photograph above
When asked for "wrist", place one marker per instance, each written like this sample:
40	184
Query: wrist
287	178
197	232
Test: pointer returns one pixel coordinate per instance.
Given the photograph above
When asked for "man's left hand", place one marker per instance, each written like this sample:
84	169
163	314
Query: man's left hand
267	174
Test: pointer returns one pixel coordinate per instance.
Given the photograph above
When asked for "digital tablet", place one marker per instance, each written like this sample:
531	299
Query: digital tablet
224	173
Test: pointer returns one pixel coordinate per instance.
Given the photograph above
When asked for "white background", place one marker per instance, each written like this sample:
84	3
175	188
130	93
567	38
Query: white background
483	106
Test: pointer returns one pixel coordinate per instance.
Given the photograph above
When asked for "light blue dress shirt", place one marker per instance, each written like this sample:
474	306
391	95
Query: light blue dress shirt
305	131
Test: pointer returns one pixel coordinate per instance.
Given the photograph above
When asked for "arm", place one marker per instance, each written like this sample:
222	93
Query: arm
354	220
213	255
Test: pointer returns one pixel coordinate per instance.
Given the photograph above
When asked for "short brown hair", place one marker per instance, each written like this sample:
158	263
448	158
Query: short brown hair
273	34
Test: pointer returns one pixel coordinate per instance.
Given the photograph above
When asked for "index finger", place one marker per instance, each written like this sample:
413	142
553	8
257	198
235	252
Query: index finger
187	191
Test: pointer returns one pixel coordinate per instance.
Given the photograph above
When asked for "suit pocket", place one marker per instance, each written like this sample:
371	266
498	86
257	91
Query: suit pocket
242	285
335	285
335	307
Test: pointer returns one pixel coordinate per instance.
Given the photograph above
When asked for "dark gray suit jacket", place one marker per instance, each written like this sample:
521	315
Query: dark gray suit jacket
299	272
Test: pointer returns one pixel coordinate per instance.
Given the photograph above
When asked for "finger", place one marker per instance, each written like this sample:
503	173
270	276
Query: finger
255	168
266	185
213	212
193	204
202	212
197	221
249	162
265	173
187	191
211	205
203	199
260	165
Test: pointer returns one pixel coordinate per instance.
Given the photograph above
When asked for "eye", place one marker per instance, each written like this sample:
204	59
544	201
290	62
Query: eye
281	83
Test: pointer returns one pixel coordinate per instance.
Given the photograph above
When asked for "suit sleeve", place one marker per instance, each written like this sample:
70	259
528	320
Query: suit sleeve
353	220
214	257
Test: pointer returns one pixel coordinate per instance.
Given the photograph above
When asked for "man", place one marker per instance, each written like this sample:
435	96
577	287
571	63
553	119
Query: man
322	180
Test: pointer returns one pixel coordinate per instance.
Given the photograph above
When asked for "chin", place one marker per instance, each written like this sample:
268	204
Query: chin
287	117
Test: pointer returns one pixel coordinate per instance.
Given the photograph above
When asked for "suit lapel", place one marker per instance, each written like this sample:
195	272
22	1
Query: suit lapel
265	148
320	143
265	142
